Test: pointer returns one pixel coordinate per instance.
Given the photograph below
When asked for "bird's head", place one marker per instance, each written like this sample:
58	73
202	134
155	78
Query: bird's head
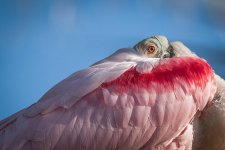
155	47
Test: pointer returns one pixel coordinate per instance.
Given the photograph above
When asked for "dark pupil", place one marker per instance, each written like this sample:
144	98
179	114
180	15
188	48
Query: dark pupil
151	49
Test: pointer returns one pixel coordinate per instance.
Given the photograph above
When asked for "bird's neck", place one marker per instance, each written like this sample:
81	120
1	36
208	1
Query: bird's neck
209	128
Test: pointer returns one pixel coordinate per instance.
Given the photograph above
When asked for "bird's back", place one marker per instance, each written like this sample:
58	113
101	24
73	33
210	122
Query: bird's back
129	110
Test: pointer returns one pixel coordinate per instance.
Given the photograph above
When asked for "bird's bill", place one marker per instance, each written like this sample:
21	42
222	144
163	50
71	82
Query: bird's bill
180	50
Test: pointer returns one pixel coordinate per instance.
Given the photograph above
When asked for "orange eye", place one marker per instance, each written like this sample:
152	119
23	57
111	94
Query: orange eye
151	49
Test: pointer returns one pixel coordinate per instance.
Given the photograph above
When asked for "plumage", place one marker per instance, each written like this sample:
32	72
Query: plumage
209	125
117	103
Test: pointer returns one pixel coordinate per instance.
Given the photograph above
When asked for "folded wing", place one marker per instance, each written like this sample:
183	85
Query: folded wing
111	105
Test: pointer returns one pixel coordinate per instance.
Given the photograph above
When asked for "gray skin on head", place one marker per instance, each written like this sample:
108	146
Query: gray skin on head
155	47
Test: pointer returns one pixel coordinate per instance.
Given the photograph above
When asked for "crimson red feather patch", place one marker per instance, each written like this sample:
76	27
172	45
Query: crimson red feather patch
191	70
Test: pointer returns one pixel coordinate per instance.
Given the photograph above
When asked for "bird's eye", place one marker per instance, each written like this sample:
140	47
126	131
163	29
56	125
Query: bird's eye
151	49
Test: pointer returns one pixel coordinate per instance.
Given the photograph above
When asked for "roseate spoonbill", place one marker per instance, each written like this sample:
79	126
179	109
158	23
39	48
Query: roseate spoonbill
128	101
209	126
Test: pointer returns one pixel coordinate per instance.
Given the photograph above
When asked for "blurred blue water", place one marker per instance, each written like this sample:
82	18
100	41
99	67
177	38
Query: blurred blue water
42	42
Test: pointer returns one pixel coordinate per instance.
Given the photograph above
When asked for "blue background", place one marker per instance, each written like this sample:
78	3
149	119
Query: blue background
43	41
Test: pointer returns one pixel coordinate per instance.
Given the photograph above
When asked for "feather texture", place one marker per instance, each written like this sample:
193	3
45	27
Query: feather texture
114	104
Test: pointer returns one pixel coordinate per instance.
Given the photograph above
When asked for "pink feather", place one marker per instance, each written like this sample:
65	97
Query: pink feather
114	105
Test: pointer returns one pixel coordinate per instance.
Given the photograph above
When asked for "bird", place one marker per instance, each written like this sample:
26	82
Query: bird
154	47
209	126
138	98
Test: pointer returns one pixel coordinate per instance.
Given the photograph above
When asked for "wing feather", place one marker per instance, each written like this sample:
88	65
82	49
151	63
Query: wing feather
111	105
